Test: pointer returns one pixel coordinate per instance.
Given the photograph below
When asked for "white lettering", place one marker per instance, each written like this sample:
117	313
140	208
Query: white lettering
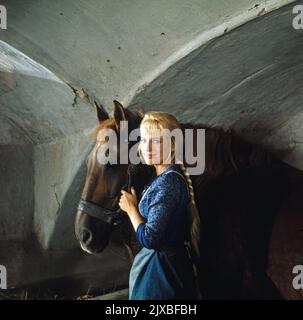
297	21
297	282
3	277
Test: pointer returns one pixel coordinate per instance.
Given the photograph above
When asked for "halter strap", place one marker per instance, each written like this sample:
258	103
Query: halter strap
104	214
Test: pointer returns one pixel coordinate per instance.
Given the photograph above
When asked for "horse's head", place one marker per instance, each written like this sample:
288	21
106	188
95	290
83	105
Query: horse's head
98	211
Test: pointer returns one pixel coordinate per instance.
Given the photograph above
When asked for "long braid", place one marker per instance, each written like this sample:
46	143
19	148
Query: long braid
194	218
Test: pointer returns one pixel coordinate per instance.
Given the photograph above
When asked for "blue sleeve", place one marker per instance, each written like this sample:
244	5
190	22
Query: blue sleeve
165	199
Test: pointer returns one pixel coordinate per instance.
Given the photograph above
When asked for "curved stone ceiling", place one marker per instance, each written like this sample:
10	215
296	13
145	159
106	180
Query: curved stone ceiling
250	79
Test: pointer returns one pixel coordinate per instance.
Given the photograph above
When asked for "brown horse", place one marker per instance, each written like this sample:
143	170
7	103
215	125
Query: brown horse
239	197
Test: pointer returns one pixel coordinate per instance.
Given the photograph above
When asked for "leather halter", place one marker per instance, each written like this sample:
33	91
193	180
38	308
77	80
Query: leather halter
113	217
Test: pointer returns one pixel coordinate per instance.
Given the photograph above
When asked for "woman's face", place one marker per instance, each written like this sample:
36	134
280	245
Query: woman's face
152	145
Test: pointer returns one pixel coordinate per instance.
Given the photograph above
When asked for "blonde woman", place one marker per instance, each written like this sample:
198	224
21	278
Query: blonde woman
165	220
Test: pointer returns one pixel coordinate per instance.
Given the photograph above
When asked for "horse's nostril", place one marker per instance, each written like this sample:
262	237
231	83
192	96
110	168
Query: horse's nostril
86	236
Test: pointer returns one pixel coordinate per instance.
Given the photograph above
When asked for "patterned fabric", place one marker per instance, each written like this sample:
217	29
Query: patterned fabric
164	205
162	269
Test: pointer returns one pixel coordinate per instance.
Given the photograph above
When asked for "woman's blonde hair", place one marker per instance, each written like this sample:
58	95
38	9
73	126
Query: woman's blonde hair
164	120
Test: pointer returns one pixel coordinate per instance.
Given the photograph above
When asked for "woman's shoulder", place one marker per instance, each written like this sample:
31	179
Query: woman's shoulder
172	179
176	171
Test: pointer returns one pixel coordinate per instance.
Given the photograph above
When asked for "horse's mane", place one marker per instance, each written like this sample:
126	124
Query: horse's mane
226	151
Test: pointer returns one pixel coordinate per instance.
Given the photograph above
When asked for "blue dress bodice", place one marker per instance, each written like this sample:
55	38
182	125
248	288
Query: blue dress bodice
164	206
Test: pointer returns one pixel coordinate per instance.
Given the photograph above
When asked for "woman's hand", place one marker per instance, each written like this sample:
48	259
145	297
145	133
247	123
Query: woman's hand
128	201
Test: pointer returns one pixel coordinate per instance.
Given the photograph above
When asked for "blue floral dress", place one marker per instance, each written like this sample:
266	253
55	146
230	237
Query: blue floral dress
162	269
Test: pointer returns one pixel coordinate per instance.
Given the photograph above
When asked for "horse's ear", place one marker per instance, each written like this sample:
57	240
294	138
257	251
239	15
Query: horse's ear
120	113
101	113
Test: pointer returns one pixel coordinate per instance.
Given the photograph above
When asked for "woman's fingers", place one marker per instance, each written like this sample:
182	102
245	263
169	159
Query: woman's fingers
127	199
133	191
